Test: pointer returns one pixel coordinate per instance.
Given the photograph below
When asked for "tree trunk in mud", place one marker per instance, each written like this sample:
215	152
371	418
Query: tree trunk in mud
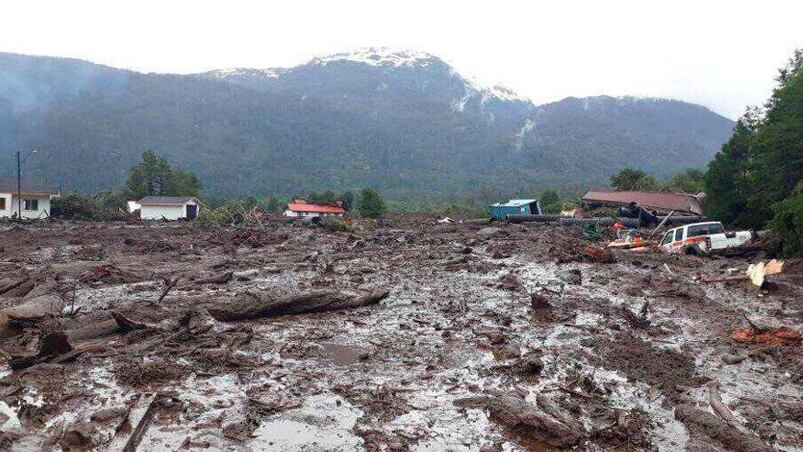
545	423
250	306
710	425
41	302
93	331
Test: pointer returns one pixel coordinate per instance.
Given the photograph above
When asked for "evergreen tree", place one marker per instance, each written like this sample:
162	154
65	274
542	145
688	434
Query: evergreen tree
150	177
690	181
348	200
550	201
184	183
633	179
755	179
371	204
153	176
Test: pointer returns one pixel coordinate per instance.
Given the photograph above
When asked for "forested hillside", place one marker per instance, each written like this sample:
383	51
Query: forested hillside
757	178
406	123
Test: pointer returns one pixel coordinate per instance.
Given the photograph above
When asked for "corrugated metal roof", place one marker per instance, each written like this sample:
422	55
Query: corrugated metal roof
166	200
514	203
317	208
679	202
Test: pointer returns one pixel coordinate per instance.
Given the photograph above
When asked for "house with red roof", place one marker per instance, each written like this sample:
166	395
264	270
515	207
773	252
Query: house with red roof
302	208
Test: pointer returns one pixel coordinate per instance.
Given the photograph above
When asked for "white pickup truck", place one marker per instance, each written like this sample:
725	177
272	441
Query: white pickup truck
702	238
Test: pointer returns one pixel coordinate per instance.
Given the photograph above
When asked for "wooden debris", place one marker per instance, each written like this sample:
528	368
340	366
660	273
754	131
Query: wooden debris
726	434
545	422
718	406
137	422
250	306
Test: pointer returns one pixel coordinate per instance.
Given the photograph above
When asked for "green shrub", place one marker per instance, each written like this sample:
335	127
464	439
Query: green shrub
75	206
787	224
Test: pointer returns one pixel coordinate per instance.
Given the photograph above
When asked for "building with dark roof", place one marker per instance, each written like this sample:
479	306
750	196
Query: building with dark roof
32	197
664	202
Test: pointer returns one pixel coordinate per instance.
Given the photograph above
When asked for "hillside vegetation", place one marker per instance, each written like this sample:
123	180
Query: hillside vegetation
407	124
757	177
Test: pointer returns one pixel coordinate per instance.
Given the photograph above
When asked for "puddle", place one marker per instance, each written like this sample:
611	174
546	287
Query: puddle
323	423
342	355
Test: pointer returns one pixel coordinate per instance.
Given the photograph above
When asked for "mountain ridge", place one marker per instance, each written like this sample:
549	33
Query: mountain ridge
408	124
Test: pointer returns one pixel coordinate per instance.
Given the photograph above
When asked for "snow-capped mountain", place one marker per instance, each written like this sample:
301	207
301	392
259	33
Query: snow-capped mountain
382	74
404	122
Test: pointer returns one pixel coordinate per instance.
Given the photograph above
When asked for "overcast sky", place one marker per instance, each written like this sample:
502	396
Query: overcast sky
722	54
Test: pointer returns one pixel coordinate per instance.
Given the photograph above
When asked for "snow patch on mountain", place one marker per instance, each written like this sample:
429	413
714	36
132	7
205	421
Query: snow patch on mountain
249	72
507	94
528	127
472	88
380	56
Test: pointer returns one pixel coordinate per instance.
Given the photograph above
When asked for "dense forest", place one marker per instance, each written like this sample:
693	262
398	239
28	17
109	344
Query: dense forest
757	177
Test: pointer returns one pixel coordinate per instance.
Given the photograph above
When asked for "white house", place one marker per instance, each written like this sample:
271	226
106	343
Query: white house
32	198
303	208
168	208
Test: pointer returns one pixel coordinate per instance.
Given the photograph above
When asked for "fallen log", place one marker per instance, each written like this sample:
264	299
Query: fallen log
93	331
16	288
250	306
51	345
545	422
718	430
136	423
719	406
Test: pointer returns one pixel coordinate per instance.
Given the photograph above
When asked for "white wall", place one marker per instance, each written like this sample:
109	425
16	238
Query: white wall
292	213
43	210
157	212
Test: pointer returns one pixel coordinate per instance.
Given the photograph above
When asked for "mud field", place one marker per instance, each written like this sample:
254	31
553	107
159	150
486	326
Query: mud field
413	336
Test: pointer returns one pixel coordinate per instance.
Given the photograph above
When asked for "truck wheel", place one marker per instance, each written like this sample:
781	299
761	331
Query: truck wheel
694	250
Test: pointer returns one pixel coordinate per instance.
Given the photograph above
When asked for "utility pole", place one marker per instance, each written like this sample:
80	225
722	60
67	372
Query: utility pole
19	187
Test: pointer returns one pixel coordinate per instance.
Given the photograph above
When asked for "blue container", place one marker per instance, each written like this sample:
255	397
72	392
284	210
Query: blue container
501	210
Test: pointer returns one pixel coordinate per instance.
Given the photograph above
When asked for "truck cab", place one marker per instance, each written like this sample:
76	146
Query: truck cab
702	238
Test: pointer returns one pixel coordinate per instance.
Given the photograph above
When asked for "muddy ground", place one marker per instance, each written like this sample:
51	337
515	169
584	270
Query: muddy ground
511	337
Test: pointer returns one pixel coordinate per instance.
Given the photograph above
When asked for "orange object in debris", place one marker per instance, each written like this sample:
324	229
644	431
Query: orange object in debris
618	226
771	336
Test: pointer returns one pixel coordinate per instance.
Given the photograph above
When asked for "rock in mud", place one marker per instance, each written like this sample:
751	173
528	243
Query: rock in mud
597	254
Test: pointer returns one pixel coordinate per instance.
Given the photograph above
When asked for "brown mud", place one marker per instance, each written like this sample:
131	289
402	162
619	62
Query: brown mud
413	336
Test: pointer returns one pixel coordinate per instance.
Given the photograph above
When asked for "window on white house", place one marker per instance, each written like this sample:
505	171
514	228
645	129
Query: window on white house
2	203
30	204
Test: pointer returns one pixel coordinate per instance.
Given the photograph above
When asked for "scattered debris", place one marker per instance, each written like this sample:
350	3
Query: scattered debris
545	422
274	337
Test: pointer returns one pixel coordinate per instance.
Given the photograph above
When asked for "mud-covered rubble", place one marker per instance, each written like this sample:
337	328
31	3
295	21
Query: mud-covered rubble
413	336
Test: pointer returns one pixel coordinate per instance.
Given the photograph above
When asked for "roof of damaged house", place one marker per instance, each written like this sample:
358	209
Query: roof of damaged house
29	186
679	202
166	200
312	207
